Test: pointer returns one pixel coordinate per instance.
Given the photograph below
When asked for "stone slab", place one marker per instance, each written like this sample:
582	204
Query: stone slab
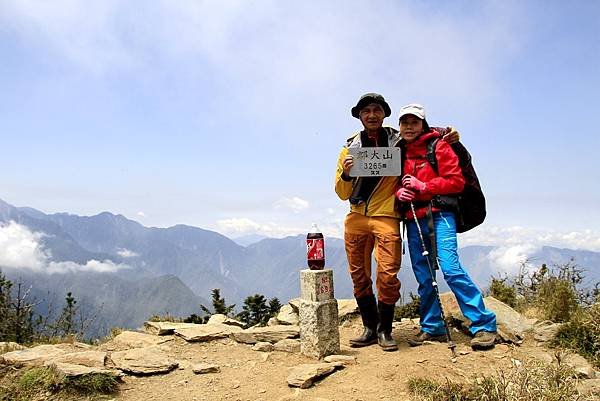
270	334
304	376
165	328
206	332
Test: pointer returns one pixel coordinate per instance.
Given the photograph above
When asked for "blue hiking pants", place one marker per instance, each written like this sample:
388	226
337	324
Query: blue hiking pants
469	297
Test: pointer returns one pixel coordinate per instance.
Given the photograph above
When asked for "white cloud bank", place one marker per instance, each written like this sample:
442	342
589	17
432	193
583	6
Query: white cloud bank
293	204
21	248
242	226
516	245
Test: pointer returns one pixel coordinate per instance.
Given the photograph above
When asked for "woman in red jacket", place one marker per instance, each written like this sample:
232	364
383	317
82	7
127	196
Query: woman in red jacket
420	184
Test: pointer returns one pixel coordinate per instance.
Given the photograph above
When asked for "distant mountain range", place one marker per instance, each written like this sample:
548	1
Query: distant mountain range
173	270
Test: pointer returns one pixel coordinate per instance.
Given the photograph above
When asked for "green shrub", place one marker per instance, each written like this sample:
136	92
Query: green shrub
408	310
582	334
503	292
557	299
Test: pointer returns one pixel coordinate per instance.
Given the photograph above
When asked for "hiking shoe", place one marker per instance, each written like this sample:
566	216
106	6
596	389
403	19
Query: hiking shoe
483	340
417	340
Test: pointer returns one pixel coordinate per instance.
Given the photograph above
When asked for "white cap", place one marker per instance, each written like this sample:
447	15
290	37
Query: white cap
414	109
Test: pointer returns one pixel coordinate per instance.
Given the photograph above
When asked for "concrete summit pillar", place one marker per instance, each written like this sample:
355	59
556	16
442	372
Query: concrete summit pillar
319	323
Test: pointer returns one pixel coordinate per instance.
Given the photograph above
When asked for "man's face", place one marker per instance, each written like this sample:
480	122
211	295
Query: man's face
371	116
410	127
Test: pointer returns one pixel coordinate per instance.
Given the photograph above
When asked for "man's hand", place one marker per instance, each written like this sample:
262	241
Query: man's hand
405	195
451	136
410	182
347	164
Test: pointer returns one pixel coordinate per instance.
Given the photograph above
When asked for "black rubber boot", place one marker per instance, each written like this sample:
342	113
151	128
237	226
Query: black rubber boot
384	330
368	312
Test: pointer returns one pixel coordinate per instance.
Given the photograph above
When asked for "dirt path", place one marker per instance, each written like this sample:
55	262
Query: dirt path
377	375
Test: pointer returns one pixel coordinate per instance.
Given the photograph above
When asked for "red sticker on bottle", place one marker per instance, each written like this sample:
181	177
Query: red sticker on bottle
315	249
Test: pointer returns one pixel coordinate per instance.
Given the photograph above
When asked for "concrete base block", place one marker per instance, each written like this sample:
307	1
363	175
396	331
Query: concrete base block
319	332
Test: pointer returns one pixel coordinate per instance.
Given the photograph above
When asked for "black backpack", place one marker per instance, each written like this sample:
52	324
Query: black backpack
469	205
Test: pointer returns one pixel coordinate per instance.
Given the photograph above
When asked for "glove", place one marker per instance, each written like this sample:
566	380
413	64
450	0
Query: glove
405	195
410	182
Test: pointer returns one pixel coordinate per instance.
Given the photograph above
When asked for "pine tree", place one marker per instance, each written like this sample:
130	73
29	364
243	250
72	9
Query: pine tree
274	306
219	306
255	311
65	324
5	311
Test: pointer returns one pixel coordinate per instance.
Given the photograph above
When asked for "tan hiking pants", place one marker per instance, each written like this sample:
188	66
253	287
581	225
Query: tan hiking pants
362	235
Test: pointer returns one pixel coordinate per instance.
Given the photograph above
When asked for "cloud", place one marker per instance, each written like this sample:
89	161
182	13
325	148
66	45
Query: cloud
509	259
141	214
21	248
126	253
284	48
293	204
243	226
516	235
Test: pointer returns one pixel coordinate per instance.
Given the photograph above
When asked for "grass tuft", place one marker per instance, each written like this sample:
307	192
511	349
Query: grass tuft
44	383
523	382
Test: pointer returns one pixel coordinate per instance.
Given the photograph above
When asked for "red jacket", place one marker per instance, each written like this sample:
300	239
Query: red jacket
448	180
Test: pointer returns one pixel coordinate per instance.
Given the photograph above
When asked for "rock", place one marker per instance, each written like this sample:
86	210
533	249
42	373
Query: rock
295	304
263	347
507	336
511	324
303	376
222	319
133	339
347	308
545	331
344	359
287	315
91	359
582	367
273	322
165	328
451	308
207	332
201	368
73	370
141	361
511	320
287	345
589	388
10	346
37	356
270	334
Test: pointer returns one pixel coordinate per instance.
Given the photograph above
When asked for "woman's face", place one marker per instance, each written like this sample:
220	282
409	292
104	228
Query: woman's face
410	127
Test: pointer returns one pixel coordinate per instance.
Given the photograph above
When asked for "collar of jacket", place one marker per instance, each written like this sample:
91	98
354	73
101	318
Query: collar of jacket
392	134
421	138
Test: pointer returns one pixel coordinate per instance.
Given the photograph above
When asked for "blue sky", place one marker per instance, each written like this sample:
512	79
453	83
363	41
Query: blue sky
230	115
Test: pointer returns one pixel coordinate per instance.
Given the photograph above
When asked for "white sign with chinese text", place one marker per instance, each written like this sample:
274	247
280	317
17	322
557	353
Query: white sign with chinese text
375	162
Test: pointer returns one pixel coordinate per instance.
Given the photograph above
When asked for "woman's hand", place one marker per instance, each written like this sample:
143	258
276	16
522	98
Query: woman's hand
405	195
410	182
451	136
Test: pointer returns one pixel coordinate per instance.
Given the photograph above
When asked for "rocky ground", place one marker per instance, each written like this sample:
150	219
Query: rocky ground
169	367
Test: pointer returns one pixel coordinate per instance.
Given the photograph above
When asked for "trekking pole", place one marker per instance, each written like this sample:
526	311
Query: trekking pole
434	284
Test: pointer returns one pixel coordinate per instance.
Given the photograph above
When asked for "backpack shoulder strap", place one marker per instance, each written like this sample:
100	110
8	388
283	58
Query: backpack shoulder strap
430	156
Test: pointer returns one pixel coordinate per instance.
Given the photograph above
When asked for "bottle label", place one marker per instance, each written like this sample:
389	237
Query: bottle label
314	249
